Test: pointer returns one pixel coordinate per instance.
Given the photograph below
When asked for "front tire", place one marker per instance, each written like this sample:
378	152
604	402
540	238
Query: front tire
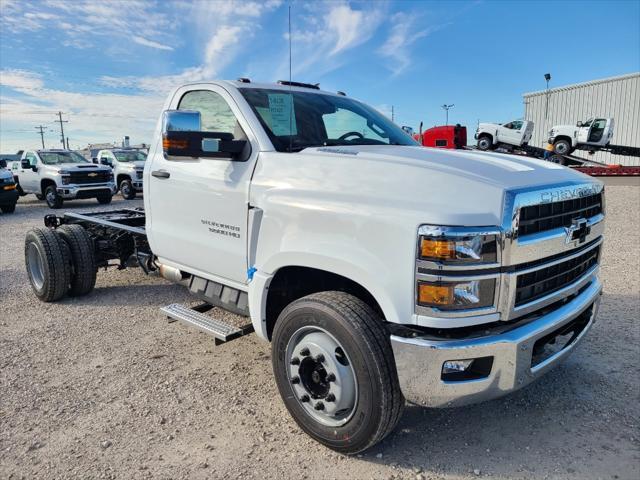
562	147
127	190
48	263
335	371
51	196
484	143
104	199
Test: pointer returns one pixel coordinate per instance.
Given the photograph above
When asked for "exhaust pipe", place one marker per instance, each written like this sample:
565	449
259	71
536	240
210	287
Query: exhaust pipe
171	273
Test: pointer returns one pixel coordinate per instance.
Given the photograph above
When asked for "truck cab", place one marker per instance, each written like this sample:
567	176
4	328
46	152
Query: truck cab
516	133
591	135
379	270
127	165
58	175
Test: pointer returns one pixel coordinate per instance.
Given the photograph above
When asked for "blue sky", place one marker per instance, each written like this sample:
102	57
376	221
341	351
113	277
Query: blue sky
109	64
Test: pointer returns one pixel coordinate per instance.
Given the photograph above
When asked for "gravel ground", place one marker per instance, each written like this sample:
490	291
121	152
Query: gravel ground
103	387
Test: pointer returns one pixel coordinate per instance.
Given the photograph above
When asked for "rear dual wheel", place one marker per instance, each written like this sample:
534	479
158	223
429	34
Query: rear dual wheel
335	371
60	262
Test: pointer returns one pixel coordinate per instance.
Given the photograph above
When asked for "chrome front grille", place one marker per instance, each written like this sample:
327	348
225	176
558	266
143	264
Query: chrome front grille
549	279
547	216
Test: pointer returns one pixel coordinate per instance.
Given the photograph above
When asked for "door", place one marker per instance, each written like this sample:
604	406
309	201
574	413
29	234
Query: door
30	180
597	134
511	133
199	206
584	131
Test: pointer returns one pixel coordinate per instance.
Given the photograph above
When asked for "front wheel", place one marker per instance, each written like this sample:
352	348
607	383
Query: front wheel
104	199
562	147
51	196
484	143
335	371
127	190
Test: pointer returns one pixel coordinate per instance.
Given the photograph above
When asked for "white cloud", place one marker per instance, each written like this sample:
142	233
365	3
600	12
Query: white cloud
150	43
402	36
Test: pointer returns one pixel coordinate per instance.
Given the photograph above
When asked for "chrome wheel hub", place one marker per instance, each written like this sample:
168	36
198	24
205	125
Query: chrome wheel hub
35	265
321	376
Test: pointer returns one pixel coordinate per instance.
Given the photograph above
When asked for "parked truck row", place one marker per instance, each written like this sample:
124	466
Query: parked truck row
380	272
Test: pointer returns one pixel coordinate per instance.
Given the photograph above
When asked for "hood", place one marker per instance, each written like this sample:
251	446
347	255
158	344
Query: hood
444	187
5	174
80	167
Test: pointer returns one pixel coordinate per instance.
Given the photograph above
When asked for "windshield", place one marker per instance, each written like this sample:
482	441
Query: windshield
130	156
314	120
52	158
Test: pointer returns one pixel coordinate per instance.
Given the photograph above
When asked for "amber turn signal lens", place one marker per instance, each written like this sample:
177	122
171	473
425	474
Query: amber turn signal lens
435	294
168	143
438	249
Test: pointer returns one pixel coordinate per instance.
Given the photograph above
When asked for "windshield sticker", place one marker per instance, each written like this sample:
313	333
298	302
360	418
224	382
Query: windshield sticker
283	116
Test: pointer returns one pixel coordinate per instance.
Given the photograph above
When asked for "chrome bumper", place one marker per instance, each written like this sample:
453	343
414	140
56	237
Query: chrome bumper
419	361
72	191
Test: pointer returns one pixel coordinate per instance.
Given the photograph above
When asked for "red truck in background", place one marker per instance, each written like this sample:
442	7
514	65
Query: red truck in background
446	136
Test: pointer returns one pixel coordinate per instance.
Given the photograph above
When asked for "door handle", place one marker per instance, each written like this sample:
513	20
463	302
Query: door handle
160	174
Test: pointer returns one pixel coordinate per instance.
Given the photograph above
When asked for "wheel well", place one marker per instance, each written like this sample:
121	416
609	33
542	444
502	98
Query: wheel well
562	137
45	183
292	283
488	135
121	177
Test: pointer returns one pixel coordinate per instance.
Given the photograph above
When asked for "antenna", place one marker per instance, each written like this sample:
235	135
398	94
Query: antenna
290	91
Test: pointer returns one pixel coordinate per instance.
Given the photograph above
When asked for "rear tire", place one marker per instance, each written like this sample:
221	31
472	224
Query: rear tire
104	199
484	143
8	208
83	259
363	348
127	190
48	262
51	196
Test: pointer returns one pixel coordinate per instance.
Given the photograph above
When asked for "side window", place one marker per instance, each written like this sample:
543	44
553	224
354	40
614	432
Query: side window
587	123
32	159
215	114
517	125
508	125
599	123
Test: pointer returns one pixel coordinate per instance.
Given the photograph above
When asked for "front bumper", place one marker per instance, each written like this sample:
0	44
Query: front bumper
419	360
86	191
8	197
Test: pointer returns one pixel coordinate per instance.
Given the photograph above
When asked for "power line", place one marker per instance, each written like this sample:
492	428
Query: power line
61	128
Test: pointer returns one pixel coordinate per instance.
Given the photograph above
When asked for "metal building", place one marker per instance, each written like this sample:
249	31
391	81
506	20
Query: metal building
616	97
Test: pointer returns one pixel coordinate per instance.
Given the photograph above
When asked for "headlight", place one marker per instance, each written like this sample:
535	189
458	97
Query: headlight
457	295
449	245
66	179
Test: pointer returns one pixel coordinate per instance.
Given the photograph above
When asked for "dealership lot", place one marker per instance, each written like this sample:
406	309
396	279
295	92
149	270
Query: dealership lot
103	387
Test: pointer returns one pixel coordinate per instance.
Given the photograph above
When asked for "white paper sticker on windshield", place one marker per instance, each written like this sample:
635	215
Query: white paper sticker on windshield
283	116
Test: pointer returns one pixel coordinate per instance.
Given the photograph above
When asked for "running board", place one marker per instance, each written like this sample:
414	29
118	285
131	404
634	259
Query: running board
195	317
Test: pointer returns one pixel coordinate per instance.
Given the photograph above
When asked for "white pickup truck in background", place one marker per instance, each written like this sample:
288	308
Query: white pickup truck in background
516	134
591	135
127	165
379	270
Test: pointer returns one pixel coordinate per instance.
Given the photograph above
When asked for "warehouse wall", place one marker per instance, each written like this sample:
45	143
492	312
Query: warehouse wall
617	97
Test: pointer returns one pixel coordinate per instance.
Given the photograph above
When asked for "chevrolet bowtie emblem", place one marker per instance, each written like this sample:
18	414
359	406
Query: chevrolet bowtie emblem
578	230
93	174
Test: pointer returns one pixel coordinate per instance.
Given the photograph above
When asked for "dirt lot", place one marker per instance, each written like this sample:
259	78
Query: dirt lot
104	387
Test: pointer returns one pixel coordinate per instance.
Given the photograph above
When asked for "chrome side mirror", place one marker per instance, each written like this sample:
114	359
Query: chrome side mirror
181	121
579	124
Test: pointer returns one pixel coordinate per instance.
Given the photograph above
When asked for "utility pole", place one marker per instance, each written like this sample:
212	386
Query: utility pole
68	144
40	129
547	77
392	114
61	128
446	109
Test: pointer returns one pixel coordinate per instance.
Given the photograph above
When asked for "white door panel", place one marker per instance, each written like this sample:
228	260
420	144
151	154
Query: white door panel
199	212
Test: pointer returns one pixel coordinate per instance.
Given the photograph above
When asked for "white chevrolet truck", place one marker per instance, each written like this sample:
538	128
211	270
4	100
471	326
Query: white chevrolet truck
379	270
128	166
512	134
59	175
592	135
